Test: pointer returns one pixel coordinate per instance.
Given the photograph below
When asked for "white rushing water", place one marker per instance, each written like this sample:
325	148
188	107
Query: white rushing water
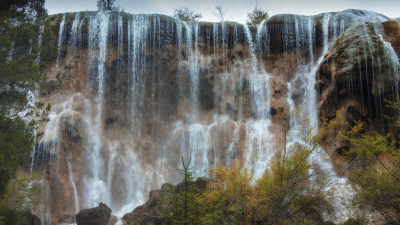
71	178
75	31
61	37
98	40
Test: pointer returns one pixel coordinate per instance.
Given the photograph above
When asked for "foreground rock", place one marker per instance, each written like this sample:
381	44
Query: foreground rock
94	216
151	211
32	219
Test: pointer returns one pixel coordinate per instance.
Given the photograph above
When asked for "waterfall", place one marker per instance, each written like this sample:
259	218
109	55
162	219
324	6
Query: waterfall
158	89
98	41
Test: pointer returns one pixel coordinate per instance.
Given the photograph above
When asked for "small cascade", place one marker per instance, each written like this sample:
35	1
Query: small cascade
392	58
48	147
75	31
11	52
139	31
61	37
39	43
120	35
192	31
71	178
258	82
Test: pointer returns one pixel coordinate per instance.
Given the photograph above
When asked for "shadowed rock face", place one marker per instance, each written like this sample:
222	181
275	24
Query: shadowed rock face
140	91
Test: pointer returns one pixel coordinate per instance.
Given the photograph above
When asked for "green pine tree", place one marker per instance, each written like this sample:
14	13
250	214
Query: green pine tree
185	203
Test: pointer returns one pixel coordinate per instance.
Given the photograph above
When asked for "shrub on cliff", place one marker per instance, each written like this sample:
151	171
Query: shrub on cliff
185	14
257	16
234	194
292	191
378	176
375	161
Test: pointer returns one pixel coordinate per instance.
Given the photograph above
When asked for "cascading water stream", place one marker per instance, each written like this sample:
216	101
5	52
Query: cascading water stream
390	56
61	35
258	139
75	31
192	33
139	30
39	43
98	41
71	178
120	35
309	110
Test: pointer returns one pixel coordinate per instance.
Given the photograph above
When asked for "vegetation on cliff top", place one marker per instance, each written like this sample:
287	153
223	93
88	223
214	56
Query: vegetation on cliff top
187	15
257	16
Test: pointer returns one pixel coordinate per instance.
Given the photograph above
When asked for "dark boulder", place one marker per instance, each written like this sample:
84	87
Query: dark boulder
32	219
94	216
151	211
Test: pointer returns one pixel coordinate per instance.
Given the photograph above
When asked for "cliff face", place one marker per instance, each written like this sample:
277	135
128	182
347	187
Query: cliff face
137	92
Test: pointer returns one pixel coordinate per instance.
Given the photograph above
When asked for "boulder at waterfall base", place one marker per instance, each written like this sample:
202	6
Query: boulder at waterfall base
94	216
151	211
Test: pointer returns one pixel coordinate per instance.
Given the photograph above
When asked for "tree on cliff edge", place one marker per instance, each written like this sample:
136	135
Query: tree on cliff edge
187	15
257	16
219	12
